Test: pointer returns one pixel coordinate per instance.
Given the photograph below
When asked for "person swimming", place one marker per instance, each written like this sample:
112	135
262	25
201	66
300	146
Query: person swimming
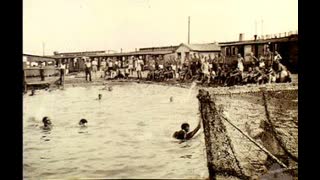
83	122
184	133
100	96
47	124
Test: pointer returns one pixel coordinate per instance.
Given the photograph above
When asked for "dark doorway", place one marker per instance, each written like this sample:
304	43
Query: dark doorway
241	50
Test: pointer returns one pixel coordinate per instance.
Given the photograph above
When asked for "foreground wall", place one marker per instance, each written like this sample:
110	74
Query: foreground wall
268	116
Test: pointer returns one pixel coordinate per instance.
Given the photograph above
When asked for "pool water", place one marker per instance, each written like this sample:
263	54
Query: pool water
129	133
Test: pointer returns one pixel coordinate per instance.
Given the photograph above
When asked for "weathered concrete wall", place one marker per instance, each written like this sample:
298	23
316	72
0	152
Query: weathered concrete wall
270	118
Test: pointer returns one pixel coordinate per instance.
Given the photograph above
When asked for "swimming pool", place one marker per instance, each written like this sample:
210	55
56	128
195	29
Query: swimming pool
129	133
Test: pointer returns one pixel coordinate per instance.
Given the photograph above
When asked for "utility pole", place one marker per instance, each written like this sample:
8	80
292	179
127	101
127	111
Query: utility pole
261	26
255	27
43	45
188	29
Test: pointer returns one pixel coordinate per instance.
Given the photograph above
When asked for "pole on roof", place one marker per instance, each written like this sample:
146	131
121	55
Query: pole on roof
188	29
43	45
261	26
255	27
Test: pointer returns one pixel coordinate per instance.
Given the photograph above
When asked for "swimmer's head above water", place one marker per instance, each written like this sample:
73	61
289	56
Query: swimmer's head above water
83	122
46	122
185	127
184	133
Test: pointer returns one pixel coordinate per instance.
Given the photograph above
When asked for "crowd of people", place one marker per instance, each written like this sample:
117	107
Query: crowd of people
268	68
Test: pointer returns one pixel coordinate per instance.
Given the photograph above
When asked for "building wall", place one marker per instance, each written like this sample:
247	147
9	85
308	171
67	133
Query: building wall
288	50
183	50
36	58
247	52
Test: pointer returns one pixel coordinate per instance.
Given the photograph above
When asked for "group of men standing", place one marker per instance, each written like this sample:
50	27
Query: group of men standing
113	68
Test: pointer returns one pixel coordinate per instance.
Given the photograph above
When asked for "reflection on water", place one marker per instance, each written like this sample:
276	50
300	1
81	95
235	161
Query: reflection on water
128	135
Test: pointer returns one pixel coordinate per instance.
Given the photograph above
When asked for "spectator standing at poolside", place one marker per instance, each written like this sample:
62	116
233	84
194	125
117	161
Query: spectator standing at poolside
277	57
94	64
139	64
88	69
110	67
268	58
240	63
67	68
215	63
103	66
174	67
130	65
62	68
261	61
42	71
221	59
254	61
115	68
202	59
240	66
205	71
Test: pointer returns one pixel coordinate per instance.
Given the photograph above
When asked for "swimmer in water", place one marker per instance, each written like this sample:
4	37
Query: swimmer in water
83	122
184	133
99	96
171	99
47	125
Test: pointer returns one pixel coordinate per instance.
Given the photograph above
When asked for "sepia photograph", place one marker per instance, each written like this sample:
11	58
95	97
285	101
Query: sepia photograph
159	89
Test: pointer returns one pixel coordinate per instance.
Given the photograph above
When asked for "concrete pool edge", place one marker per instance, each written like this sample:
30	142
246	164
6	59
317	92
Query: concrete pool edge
217	90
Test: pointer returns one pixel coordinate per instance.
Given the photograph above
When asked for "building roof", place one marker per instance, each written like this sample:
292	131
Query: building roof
79	53
203	47
260	41
161	48
37	58
144	52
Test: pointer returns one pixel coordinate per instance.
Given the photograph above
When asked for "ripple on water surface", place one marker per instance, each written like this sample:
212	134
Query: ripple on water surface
128	135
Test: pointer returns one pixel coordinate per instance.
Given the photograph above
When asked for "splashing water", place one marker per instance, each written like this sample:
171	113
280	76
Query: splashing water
193	85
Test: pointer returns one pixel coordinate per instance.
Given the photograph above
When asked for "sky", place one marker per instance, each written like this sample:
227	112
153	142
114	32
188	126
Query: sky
89	25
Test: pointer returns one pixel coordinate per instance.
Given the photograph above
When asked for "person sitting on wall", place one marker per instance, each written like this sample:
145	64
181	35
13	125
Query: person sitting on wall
119	75
247	77
168	73
270	76
225	71
184	133
254	61
283	75
234	77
